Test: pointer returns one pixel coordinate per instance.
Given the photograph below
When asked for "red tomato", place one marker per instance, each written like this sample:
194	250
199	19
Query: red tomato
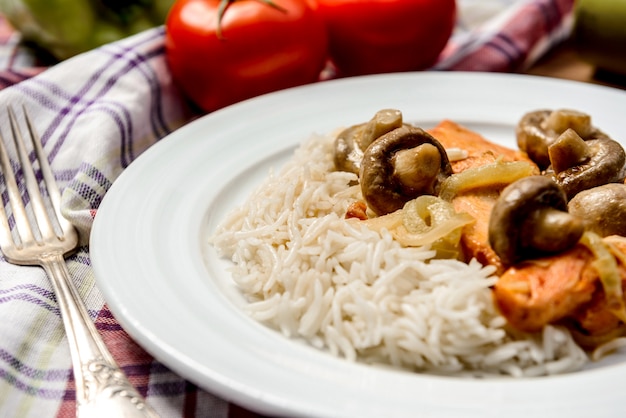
381	36
254	47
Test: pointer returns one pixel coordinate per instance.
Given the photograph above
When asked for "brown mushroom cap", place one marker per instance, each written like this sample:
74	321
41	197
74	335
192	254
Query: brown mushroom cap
602	209
352	142
530	219
605	163
388	180
537	130
348	153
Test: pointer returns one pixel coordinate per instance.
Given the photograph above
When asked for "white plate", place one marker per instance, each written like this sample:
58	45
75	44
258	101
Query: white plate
169	290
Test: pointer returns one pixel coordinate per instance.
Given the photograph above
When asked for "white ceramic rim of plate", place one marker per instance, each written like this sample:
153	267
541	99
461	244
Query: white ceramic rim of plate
156	272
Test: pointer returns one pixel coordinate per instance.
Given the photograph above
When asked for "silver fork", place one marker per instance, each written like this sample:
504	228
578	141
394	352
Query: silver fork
102	388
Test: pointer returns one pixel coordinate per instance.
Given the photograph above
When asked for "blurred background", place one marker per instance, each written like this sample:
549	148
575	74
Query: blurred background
592	46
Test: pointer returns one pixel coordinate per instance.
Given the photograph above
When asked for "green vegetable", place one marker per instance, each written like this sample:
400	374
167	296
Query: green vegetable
68	27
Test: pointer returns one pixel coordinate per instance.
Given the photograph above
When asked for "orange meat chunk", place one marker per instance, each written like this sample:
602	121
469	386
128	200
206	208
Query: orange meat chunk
477	203
559	288
480	151
544	291
565	286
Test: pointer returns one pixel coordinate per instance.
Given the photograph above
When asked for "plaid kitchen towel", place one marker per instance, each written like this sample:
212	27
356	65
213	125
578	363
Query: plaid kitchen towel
505	36
96	113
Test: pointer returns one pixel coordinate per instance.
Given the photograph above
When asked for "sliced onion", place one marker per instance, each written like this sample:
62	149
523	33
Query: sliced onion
610	346
498	173
606	266
426	220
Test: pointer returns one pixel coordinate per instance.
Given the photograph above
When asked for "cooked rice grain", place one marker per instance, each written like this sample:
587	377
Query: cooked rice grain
356	293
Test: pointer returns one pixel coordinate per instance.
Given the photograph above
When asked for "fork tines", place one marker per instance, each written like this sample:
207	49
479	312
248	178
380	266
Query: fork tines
42	230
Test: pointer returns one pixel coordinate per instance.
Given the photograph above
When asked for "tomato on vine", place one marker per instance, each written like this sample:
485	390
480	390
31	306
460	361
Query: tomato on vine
224	51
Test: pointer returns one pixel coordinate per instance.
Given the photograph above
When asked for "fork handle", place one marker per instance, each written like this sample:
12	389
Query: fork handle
102	388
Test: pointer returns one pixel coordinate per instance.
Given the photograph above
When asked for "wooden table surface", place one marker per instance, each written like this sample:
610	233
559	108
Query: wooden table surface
564	62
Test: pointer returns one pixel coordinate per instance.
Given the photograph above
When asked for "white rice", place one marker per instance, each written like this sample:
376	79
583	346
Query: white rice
356	293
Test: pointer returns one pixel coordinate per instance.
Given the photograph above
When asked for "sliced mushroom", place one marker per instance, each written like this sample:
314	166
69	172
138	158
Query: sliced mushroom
537	130
578	165
530	219
352	142
400	166
602	209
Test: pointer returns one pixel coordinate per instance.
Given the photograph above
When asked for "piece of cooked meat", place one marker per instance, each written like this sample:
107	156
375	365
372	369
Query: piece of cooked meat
563	286
532	294
539	292
480	151
477	203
